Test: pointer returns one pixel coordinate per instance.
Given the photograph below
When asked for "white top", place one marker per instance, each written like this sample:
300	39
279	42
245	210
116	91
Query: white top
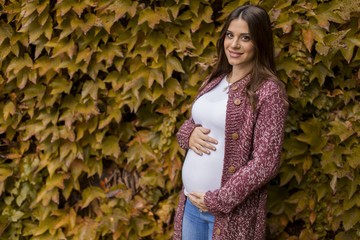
203	173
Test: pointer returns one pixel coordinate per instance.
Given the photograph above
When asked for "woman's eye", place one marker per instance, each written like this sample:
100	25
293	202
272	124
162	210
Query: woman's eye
230	35
245	38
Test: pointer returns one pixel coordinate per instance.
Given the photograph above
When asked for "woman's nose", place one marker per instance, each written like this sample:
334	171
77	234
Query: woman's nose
235	43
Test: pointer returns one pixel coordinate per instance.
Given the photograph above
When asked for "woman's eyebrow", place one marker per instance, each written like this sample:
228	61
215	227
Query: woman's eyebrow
241	34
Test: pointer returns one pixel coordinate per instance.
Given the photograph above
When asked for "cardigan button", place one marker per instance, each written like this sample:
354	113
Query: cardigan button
234	88
232	169
235	136
237	102
218	231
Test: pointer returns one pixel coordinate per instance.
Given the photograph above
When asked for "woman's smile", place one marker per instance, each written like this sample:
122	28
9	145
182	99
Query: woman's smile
235	54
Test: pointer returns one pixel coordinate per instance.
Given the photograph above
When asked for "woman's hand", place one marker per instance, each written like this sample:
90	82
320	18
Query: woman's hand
199	141
198	200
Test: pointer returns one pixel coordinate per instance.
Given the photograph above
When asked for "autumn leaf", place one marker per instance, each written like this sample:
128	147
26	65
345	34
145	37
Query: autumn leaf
91	193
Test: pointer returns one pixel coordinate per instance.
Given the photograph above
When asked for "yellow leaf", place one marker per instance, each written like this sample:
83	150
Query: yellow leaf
153	17
59	85
312	217
89	88
8	109
173	64
4	174
5	32
194	6
84	55
108	21
90	193
110	146
157	75
308	39
35	31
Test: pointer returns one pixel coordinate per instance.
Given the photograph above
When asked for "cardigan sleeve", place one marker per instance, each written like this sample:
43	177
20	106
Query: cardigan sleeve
183	135
264	158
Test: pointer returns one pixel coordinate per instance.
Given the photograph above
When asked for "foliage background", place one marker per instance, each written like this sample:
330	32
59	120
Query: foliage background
92	93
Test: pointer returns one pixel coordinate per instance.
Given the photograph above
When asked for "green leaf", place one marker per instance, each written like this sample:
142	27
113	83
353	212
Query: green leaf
333	156
343	236
350	44
18	64
34	91
318	32
35	30
155	39
153	17
351	217
173	64
322	49
351	202
60	85
353	159
56	180
294	147
312	135
16	215
194	6
47	224
5	32
79	6
84	55
120	8
90	88
289	65
322	190
320	72
66	148
325	13
287	172
108	52
5	173
205	15
339	128
91	193
110	146
24	192
157	75
8	109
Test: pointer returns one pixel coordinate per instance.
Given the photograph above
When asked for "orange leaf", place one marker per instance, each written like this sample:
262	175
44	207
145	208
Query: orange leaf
308	39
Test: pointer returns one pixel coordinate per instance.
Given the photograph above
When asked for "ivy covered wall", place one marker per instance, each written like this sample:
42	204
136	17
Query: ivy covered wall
93	92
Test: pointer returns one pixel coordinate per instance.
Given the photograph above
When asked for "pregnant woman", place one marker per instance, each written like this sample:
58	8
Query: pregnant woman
234	135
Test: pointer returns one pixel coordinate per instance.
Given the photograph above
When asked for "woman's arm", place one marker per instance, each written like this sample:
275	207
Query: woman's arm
184	133
264	165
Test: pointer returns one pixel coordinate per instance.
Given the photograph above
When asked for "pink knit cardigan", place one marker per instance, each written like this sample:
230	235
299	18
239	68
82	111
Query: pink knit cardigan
253	143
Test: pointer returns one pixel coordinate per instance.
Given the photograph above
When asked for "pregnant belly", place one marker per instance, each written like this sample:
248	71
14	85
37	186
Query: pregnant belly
202	173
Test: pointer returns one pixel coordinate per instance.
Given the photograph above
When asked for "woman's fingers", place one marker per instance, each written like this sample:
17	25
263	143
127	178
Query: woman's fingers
208	145
205	137
198	200
200	143
202	149
210	139
196	150
197	194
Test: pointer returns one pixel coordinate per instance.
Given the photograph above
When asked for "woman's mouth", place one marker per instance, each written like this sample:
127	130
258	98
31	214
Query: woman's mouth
235	54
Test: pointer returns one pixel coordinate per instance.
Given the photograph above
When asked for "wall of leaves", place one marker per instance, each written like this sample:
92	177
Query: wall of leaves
93	92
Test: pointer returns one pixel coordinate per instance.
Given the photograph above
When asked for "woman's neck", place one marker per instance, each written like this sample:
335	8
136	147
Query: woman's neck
238	73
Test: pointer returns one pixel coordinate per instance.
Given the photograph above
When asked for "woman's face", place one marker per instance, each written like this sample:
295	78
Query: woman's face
239	49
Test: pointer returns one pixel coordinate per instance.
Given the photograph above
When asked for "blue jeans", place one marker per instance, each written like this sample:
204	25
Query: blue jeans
196	225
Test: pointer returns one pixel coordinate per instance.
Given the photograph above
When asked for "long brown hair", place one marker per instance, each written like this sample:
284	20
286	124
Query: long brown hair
261	35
